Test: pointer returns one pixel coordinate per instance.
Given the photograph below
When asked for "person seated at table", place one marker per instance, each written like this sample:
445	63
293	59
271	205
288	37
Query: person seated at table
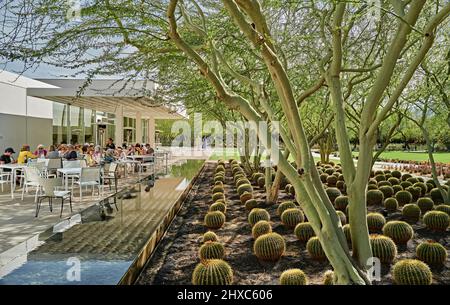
109	156
89	156
138	149
120	154
62	150
52	153
149	150
25	154
71	153
97	154
40	151
6	158
110	144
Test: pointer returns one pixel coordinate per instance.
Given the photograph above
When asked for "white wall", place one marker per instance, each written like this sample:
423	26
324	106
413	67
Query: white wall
12	99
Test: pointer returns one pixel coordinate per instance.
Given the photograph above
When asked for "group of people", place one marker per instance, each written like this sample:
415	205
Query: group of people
93	154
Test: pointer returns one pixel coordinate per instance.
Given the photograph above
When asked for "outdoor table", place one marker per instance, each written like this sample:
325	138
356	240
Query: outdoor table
14	167
163	155
66	172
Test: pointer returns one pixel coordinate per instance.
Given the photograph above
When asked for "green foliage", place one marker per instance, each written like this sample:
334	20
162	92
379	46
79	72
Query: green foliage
256	215
304	231
211	250
375	222
411	272
411	212
291	217
436	220
212	272
260	228
269	247
293	277
214	220
403	197
432	253
383	247
391	204
375	197
284	206
209	236
314	248
400	231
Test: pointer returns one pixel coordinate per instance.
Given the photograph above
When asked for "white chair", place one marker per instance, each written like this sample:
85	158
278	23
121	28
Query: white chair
72	164
5	177
110	174
148	162
31	179
49	186
53	165
90	176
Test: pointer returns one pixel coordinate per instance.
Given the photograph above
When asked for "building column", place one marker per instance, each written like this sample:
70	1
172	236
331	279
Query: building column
69	126
118	134
151	132
138	128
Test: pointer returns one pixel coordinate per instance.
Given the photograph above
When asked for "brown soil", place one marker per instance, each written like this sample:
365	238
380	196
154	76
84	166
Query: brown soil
176	256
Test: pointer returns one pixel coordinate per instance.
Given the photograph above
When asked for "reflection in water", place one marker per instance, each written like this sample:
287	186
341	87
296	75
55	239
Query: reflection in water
105	238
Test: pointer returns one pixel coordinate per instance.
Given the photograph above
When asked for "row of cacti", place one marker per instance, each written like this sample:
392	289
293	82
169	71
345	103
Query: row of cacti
212	269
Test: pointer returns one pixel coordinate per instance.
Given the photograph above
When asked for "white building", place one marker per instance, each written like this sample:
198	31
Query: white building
53	111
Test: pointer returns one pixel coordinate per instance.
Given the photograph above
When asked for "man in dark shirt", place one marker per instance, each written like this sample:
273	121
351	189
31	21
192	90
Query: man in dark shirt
110	144
6	158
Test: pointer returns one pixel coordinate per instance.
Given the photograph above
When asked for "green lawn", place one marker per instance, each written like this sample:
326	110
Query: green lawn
413	156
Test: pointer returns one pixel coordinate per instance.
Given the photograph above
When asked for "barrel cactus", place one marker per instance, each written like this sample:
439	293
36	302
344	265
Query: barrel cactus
411	212
314	248
375	197
287	187
406	177
436	220
241	181
291	217
323	177
383	247
391	204
218	196
405	184
340	203
443	208
211	250
251	204
304	231
256	215
332	180
347	233
260	228
412	272
209	236
403	197
293	277
261	181
383	183
422	186
342	217
380	177
397	174
387	191
218	206
284	206
212	272
425	204
415	192
269	247
333	193
436	195
244	188
218	189
219	178
375	222
328	278
214	220
397	188
432	253
245	196
341	186
400	231
394	181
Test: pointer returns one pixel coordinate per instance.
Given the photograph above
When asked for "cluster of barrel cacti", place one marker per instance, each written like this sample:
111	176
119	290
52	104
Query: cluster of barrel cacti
215	217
